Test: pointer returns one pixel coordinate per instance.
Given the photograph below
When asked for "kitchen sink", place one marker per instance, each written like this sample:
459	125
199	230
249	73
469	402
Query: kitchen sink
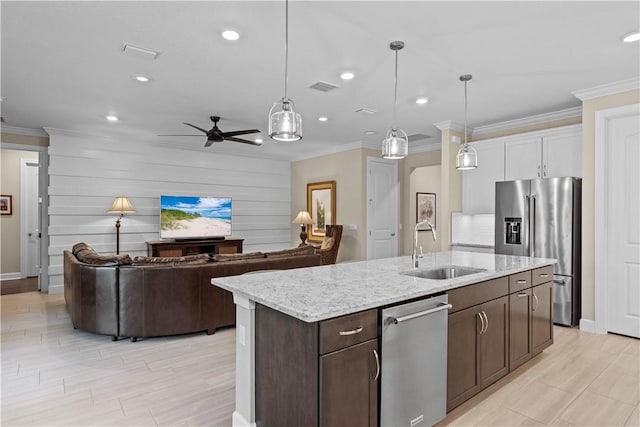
443	273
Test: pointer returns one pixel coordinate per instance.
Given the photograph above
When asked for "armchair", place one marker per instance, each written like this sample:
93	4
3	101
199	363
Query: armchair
329	253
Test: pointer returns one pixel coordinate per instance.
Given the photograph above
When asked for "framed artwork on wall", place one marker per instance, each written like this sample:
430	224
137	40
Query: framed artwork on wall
426	210
321	204
6	205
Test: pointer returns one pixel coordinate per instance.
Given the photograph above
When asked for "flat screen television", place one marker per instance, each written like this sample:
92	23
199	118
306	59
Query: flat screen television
188	217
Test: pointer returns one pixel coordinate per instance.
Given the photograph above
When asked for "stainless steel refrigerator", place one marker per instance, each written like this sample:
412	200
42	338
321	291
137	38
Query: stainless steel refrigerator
542	218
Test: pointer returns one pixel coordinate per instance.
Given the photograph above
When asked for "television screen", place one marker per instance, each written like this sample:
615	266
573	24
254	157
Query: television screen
186	217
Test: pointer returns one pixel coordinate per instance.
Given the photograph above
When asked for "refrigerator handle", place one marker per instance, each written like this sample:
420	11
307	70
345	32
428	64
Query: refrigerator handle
532	225
527	232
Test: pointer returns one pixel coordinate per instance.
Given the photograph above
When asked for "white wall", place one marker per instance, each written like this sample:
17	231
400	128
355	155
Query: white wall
87	172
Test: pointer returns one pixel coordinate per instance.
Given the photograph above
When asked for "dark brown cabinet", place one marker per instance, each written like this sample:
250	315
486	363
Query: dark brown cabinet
494	341
349	387
541	317
519	328
192	247
316	374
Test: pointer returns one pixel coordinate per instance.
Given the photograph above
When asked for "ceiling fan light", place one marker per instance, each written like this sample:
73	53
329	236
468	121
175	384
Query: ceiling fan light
467	158
284	123
396	145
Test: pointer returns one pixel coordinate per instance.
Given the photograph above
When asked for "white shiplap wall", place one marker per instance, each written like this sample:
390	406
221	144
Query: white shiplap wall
87	172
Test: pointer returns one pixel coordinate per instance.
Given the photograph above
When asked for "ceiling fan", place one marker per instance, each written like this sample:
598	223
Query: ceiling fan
216	135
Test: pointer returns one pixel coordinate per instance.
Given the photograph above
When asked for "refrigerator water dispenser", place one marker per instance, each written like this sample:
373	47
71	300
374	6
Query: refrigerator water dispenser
512	228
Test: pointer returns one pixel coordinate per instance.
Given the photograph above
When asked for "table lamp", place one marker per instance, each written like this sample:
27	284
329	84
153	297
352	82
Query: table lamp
121	206
303	219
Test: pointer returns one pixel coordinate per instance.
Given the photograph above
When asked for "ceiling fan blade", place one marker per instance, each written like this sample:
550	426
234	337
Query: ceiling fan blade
240	132
195	127
209	143
199	136
244	141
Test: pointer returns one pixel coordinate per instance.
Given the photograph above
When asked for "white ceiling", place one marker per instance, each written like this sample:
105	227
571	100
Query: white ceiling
63	65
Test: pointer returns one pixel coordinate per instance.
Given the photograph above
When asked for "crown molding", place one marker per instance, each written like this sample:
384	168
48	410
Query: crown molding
607	89
23	131
528	121
451	125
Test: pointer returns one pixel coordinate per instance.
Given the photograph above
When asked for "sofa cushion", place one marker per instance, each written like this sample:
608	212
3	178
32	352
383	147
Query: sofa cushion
79	247
301	250
170	260
89	256
237	257
327	243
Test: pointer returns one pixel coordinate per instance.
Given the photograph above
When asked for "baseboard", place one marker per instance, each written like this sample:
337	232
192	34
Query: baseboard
10	276
55	289
587	325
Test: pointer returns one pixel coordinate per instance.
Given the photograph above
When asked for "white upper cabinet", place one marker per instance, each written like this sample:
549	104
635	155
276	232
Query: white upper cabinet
544	154
479	185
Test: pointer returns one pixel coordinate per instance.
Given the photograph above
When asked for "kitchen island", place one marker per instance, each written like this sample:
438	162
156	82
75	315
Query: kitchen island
308	297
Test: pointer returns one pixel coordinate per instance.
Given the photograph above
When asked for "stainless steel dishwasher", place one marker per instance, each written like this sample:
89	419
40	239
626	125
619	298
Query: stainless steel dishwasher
414	363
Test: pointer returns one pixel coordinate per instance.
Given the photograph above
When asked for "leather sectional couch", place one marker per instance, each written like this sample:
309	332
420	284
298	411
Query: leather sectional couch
157	297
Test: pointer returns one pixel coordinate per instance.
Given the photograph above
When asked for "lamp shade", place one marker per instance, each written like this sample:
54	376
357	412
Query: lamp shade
303	218
395	145
467	158
284	123
121	206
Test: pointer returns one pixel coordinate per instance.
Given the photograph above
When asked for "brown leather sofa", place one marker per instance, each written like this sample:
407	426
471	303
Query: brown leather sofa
156	300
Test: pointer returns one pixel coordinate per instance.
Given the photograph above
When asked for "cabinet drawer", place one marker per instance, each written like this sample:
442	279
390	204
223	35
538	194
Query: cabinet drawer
519	281
348	330
471	295
542	275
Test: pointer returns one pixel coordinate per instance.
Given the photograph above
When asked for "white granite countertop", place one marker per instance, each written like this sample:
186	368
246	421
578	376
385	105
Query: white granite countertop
318	293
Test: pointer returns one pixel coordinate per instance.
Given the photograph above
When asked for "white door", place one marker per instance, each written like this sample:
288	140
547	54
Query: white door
623	240
382	208
30	219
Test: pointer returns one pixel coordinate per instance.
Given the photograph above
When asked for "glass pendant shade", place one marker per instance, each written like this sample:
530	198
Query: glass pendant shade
284	123
467	158
395	145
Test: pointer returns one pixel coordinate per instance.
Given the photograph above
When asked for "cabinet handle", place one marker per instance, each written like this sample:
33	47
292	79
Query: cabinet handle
545	170
486	328
352	332
375	354
482	323
523	294
521	282
535	297
544	275
538	171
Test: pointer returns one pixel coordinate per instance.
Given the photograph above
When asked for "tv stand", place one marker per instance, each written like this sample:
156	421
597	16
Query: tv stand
167	248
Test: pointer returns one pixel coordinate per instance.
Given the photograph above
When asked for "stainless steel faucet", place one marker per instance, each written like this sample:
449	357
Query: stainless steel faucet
415	257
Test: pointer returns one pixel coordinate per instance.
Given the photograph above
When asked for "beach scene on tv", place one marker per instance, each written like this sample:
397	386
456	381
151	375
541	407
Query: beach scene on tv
192	217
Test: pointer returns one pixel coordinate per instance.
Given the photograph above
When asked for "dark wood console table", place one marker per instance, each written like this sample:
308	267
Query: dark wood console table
192	247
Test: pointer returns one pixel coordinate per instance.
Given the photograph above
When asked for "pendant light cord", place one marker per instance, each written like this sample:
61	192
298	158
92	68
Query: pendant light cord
466	145
395	93
286	46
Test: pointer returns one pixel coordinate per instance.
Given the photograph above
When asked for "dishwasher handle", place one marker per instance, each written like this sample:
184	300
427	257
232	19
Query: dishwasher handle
397	320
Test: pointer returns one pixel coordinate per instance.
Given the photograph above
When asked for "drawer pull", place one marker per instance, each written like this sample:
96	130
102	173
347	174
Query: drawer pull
544	275
521	282
523	294
351	332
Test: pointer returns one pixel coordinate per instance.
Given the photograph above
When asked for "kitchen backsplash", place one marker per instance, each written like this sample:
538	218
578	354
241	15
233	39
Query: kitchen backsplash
473	230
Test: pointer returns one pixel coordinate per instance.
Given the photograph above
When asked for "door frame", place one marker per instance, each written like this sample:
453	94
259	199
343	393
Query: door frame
601	233
43	161
394	163
24	163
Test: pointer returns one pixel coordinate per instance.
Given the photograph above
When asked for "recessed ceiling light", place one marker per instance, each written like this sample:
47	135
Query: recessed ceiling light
111	117
347	75
370	132
632	37
323	118
421	100
230	35
142	78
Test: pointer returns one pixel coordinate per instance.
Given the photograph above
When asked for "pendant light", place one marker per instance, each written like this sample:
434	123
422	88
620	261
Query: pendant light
396	144
284	123
467	157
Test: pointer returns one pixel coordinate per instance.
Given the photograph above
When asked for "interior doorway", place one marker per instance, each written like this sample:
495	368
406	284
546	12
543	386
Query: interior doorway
382	208
30	219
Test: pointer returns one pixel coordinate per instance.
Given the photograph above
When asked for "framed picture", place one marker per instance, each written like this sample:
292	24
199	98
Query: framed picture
426	210
6	205
321	204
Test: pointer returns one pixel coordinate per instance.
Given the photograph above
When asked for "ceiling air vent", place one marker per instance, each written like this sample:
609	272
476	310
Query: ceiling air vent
418	137
139	51
323	86
366	111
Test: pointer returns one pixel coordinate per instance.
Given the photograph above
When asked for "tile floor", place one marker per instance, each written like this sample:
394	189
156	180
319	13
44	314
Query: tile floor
53	375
